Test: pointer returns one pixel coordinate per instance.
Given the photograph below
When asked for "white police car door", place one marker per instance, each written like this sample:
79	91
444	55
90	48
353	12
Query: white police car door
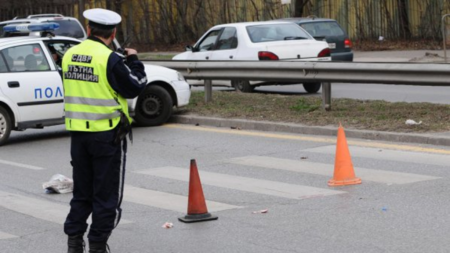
32	83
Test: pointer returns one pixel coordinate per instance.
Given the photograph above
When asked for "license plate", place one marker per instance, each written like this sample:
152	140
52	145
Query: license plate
332	45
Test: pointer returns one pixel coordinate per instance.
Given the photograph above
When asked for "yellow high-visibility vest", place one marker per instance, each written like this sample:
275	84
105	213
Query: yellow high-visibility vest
91	105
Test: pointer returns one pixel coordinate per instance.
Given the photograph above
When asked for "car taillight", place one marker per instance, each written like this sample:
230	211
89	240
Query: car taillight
348	43
264	56
325	53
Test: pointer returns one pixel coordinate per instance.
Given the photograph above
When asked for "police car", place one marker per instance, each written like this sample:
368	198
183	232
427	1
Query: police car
31	88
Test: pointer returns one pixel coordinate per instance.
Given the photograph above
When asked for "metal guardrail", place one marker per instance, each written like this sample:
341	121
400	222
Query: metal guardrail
324	72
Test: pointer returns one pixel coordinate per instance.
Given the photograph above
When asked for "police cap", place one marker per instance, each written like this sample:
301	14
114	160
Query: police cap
102	18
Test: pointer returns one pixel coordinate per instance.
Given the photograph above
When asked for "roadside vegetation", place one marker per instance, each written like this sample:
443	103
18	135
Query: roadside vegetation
357	114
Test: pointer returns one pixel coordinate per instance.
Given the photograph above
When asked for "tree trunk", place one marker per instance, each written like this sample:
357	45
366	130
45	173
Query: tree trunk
118	9
299	6
405	32
80	12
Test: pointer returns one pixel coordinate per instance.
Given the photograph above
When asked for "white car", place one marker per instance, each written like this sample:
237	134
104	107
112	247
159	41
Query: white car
271	40
31	88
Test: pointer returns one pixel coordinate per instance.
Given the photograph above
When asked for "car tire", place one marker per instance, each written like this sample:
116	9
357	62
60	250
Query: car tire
242	86
154	106
312	87
5	125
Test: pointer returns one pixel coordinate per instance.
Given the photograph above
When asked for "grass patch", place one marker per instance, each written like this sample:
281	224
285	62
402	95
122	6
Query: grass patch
356	114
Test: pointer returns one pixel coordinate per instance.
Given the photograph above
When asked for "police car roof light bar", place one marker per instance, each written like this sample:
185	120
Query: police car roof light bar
46	16
42	27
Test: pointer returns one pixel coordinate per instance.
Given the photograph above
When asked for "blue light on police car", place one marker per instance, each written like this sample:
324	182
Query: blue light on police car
42	27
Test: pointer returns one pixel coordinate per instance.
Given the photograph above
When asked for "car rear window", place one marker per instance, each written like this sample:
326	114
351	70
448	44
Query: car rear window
322	29
276	32
68	28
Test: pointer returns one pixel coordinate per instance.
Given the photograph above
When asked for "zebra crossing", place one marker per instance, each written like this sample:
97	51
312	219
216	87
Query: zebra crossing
46	210
379	176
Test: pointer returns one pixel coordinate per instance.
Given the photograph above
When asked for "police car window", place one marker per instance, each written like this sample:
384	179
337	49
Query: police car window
27	58
58	49
3	67
227	39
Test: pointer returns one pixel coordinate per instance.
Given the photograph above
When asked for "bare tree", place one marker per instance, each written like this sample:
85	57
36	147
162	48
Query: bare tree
299	6
81	4
405	32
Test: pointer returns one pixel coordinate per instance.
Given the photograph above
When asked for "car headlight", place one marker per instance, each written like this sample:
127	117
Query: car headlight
180	77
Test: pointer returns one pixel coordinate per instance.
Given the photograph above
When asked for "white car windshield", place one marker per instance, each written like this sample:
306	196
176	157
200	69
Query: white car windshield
276	32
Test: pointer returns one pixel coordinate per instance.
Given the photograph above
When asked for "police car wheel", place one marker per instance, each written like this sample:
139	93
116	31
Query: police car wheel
154	106
312	87
5	125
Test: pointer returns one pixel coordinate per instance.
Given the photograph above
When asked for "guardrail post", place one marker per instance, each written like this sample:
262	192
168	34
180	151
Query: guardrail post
326	96
208	91
444	36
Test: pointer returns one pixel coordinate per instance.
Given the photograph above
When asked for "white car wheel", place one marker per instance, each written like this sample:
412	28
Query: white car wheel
312	87
154	106
242	86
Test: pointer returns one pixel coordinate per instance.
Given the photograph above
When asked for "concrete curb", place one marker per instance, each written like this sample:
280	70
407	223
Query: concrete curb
430	139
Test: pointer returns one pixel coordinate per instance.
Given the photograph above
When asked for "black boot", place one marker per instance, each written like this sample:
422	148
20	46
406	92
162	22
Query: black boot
76	244
98	247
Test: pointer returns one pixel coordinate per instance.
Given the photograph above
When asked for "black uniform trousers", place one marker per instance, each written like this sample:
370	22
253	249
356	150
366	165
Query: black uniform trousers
98	175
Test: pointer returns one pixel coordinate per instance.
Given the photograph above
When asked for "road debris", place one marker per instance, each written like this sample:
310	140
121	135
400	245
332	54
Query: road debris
167	225
58	184
261	211
411	122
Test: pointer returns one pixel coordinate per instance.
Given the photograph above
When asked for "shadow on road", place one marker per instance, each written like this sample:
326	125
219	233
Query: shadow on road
23	137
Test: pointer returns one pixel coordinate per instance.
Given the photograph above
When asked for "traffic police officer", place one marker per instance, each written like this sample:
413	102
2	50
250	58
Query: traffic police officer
97	82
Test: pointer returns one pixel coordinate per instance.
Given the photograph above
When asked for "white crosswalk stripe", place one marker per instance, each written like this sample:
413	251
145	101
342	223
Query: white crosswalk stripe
246	184
4	236
40	209
388	155
301	166
167	201
56	213
21	165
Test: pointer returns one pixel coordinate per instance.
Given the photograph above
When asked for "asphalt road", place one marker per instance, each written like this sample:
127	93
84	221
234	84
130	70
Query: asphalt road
401	205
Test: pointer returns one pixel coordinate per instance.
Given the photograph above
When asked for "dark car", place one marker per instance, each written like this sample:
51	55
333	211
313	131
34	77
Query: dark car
331	31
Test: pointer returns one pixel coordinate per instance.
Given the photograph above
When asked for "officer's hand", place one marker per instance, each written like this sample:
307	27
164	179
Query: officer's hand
130	51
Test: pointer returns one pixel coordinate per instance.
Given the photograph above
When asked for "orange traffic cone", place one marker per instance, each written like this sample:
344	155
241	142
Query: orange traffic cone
197	210
343	167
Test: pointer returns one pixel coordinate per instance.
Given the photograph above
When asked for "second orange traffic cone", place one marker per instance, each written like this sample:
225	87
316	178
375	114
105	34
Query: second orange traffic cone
343	167
197	210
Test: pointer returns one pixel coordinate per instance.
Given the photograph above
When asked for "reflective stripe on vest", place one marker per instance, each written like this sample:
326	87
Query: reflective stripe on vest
91	116
90	103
